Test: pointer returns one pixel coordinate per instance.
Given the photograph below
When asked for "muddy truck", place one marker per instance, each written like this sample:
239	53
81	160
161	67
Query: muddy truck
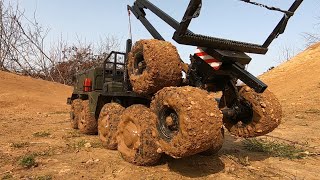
140	104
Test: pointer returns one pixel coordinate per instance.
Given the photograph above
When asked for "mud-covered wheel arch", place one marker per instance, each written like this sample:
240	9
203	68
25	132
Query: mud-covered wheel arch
266	114
87	123
189	120
152	65
76	108
108	124
136	136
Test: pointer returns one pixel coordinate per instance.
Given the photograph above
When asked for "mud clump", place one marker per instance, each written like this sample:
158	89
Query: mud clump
108	124
198	120
267	113
214	149
87	122
152	65
76	108
136	136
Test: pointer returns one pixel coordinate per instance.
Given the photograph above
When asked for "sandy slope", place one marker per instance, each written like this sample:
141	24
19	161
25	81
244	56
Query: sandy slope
30	105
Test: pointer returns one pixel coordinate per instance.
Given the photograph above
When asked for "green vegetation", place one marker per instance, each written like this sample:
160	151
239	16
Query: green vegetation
274	149
81	143
20	144
72	134
28	161
45	177
313	111
96	144
7	176
240	159
60	112
41	134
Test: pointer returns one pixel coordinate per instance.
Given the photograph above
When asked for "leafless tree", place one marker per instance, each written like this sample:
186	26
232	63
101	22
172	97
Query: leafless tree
313	37
21	42
286	52
23	48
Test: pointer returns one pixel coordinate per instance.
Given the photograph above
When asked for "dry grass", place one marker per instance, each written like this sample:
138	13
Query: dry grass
20	144
41	134
274	148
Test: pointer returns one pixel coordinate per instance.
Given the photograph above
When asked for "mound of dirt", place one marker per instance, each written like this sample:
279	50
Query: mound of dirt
296	83
298	78
28	95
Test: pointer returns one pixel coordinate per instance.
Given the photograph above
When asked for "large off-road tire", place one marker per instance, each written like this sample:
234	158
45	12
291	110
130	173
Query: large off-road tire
214	149
266	116
152	65
87	123
189	120
136	136
108	124
76	108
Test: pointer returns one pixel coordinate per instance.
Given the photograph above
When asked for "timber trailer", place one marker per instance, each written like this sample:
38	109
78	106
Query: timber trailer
139	103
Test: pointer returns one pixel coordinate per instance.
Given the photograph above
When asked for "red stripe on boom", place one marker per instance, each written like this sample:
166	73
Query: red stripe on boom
201	54
211	60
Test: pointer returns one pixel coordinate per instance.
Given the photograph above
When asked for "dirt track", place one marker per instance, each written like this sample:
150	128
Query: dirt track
28	106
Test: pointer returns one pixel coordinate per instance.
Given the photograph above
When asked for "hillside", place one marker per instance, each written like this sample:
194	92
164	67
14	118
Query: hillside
297	85
34	120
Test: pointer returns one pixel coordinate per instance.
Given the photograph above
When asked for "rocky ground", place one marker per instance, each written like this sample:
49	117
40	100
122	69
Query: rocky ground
36	141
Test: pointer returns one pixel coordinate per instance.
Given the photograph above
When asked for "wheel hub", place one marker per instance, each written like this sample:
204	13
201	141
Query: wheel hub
168	124
239	111
139	64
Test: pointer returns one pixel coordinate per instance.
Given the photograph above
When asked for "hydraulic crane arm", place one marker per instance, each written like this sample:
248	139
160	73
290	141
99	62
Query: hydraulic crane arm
230	52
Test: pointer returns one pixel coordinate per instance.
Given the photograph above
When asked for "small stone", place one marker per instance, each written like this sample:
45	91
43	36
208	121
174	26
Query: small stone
259	130
211	114
159	150
263	105
306	152
154	134
87	145
192	102
90	161
63	171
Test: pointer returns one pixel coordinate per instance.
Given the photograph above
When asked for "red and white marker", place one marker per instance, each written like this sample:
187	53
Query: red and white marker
208	59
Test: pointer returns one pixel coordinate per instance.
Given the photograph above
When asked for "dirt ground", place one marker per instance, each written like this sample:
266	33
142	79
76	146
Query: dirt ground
34	120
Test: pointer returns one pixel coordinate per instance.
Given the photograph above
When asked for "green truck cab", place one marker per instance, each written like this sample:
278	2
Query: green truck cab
101	85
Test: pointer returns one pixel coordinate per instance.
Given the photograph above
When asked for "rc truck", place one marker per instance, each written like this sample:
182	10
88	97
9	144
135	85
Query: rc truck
139	103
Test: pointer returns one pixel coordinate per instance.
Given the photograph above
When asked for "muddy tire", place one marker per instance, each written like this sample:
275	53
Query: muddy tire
152	65
108	124
76	108
266	117
136	136
188	122
216	146
87	123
